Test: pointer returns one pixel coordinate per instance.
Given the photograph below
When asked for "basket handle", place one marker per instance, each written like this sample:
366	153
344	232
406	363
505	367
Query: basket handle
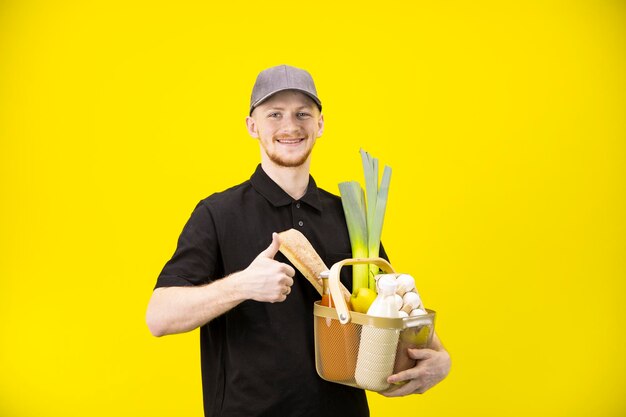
335	290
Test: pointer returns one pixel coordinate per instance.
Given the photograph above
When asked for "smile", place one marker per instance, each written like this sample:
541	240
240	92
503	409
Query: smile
290	141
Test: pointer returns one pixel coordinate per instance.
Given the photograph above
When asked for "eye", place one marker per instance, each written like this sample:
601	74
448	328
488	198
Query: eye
303	115
273	115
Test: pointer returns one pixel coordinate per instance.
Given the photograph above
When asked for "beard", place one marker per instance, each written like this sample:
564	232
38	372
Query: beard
287	162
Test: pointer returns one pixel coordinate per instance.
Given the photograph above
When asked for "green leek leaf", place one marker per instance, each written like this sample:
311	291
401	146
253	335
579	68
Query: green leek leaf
353	202
364	217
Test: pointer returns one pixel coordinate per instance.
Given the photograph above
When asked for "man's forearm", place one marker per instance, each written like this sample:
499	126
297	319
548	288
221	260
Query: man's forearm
181	309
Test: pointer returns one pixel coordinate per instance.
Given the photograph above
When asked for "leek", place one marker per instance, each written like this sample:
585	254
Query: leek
364	217
375	222
353	202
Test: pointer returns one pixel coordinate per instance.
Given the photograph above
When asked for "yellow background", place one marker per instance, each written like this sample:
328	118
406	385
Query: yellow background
504	125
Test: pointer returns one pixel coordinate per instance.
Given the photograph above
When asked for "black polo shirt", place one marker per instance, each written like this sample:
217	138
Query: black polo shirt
258	358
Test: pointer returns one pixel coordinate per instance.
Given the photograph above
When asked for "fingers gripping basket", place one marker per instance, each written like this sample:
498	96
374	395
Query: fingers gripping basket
359	350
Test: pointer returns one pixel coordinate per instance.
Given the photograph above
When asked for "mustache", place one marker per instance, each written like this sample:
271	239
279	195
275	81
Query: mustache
292	136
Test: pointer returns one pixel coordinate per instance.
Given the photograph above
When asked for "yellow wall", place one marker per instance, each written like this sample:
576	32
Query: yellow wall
503	122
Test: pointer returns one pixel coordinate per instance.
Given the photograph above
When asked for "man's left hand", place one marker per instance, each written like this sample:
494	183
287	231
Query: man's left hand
432	367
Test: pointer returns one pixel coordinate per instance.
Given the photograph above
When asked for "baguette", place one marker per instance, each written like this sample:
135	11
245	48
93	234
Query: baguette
297	248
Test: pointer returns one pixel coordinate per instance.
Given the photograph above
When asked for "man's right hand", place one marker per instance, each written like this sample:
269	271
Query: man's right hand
181	309
266	279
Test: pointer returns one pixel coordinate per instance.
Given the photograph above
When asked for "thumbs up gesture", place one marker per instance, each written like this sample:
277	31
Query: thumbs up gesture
266	279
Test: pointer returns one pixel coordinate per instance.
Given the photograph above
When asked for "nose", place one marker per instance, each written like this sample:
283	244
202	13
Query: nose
290	124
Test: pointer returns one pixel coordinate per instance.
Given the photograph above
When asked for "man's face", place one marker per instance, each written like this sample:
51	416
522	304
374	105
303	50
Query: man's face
287	126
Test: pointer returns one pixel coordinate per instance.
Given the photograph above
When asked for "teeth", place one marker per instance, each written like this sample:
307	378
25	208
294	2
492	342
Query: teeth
289	140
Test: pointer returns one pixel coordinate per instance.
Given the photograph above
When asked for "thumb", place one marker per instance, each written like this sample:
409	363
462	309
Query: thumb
272	249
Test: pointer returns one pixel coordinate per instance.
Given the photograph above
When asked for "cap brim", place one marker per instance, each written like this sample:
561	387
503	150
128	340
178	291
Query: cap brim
262	99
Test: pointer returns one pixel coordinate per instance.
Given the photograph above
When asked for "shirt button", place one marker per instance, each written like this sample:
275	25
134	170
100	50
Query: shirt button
297	205
300	223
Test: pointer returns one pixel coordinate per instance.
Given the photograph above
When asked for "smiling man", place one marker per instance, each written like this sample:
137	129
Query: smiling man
287	126
254	311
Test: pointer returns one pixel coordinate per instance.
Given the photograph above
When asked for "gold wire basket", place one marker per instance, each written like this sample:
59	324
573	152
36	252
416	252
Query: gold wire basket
359	350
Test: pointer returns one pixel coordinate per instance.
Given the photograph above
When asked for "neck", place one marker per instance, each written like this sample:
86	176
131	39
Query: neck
293	180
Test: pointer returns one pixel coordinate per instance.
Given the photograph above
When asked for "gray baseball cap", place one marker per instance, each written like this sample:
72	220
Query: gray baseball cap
280	78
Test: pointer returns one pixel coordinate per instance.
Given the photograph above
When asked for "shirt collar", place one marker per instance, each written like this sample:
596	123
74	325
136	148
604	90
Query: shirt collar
272	192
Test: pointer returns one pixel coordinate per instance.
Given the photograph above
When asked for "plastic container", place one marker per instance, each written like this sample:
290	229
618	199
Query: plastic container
339	333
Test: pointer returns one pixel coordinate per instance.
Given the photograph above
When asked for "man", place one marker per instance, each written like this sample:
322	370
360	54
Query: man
255	312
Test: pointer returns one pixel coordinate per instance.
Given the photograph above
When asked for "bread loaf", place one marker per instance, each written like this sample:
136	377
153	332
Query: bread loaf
297	248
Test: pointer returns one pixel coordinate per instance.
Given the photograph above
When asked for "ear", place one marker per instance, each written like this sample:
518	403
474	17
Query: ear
252	127
320	125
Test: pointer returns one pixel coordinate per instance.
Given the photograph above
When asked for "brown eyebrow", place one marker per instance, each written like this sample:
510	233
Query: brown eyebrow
282	108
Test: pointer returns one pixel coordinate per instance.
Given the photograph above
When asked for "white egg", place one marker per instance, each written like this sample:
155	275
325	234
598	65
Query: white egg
406	283
417	312
410	301
402	314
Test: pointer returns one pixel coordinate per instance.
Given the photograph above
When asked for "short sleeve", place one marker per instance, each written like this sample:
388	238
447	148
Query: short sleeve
196	259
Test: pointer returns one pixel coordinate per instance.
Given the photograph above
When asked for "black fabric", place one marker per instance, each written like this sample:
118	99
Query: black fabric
258	358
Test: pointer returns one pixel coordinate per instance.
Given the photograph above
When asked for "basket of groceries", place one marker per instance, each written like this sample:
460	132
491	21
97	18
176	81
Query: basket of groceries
361	349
